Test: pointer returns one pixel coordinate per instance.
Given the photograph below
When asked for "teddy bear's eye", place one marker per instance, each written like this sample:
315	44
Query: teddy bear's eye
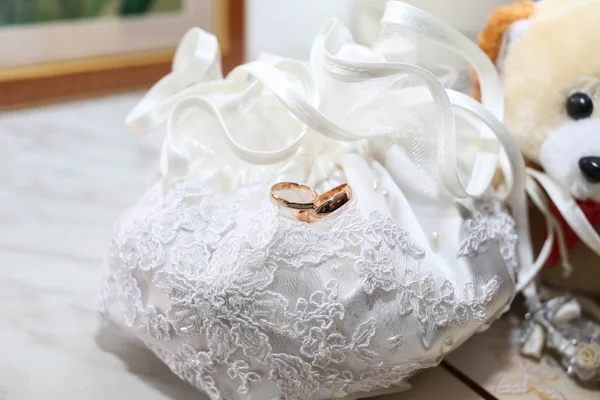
579	106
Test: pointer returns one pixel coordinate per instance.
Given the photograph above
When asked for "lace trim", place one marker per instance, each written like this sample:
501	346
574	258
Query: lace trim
489	224
222	275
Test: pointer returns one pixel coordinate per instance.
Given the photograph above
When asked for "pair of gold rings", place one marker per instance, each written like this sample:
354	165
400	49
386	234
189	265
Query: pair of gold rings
315	207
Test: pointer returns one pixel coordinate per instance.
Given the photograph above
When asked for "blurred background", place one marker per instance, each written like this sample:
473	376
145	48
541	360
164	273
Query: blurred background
24	12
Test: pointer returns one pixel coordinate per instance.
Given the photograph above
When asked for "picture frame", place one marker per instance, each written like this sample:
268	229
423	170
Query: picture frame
107	55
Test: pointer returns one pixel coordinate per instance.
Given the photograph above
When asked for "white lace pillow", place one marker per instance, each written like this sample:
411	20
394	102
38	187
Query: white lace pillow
243	300
238	300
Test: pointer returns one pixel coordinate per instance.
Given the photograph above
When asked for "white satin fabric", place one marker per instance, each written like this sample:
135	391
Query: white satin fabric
424	256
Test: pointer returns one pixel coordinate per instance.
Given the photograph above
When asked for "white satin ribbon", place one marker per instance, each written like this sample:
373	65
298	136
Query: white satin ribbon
333	37
191	84
554	233
572	214
570	211
197	59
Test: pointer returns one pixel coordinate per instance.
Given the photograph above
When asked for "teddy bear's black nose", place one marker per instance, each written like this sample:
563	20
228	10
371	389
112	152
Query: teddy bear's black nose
590	167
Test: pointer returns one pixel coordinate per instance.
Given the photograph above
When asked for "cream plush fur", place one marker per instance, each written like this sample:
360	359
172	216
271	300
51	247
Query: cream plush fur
550	50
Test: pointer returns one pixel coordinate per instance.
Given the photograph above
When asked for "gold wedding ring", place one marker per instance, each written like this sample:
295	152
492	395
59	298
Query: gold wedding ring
334	199
319	206
309	205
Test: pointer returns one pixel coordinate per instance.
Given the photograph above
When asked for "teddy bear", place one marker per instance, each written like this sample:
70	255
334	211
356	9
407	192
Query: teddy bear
548	56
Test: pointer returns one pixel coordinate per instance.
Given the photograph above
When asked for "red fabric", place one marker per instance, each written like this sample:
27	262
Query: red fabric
591	210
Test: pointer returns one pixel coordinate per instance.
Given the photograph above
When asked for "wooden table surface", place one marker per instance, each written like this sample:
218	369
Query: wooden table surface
67	171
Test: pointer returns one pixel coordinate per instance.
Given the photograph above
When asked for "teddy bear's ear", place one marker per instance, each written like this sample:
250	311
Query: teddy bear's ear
503	27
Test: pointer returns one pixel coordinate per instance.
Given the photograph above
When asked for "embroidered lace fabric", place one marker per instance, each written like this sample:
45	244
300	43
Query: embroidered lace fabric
490	224
239	302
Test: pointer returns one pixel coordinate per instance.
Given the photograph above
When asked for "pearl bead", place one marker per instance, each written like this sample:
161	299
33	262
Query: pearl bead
447	345
435	240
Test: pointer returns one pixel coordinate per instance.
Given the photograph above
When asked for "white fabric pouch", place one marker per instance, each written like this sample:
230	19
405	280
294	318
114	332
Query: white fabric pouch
243	300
